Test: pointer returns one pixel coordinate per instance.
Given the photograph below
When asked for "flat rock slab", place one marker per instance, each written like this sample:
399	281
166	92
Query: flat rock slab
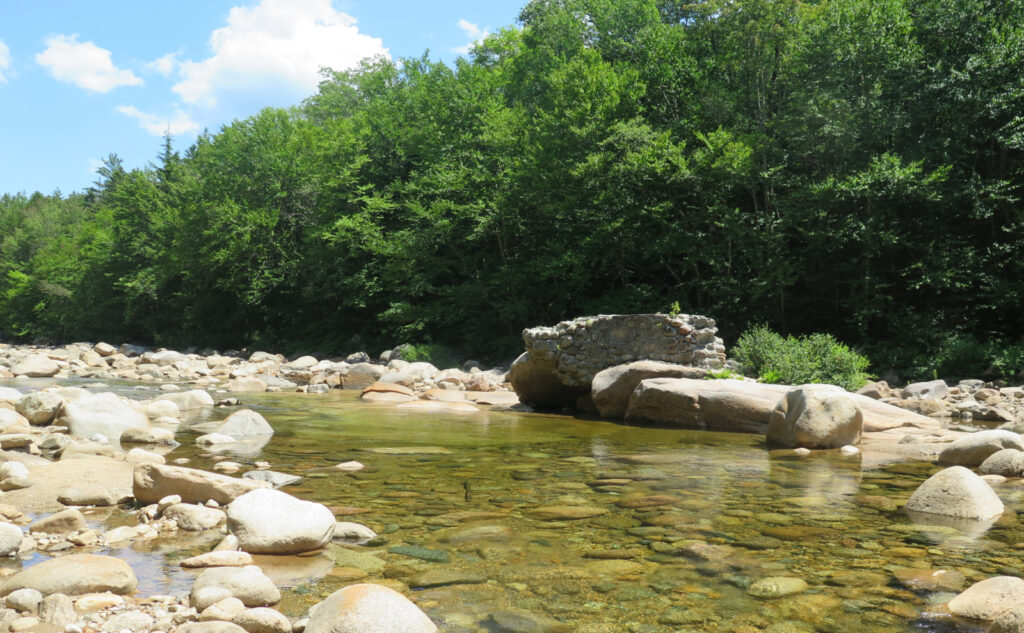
51	480
75	574
153	482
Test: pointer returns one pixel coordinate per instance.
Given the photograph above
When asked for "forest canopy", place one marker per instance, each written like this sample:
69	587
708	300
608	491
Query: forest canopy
847	166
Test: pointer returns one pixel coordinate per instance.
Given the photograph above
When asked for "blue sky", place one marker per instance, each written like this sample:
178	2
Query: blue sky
81	80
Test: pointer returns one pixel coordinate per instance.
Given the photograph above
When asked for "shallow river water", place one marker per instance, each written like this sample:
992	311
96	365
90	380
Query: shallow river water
519	522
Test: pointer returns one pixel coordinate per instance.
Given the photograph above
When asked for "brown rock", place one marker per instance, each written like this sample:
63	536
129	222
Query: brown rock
153	482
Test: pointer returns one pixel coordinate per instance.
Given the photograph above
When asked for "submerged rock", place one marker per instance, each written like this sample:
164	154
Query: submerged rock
776	587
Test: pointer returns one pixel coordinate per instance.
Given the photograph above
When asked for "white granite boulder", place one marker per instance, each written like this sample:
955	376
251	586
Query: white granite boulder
274	522
368	608
815	417
956	492
105	414
973	449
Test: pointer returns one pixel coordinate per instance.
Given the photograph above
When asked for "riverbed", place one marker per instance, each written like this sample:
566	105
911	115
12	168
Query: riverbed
500	520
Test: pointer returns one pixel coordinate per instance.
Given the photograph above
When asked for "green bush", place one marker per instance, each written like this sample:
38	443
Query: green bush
816	358
437	355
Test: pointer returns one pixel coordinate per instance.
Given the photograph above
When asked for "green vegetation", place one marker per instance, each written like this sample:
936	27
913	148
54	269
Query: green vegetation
790	360
849	166
437	355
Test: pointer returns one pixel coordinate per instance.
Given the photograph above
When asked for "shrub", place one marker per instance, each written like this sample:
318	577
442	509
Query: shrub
437	355
816	358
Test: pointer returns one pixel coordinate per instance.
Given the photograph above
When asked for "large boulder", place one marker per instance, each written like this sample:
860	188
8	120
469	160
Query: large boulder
105	414
612	387
35	366
931	390
361	375
973	449
153	482
720	405
956	492
189	400
274	522
243	423
368	608
988	599
1008	462
75	574
39	407
410	374
537	384
740	405
815	418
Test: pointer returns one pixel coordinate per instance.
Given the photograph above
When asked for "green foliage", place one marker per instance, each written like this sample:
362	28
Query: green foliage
850	166
722	374
816	358
437	355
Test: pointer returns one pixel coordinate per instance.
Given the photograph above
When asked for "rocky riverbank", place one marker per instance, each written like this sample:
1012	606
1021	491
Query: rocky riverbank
71	451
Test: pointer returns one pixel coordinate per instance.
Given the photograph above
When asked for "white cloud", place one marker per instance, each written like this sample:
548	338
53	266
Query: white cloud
276	45
179	123
164	65
84	64
5	61
474	33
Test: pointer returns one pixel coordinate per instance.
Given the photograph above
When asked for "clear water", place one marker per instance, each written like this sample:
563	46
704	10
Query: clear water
465	498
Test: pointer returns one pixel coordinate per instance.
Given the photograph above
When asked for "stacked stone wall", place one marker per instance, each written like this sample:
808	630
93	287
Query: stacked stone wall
580	348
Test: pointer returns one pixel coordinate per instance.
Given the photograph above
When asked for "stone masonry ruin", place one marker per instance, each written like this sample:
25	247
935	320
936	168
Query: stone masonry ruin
560	362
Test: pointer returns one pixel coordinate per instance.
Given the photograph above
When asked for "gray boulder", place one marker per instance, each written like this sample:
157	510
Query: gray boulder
10	539
249	584
35	366
153	482
537	384
39	407
274	522
75	574
813	417
988	599
1008	462
361	375
612	387
956	492
189	400
194	518
244	423
931	390
105	414
368	608
973	449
